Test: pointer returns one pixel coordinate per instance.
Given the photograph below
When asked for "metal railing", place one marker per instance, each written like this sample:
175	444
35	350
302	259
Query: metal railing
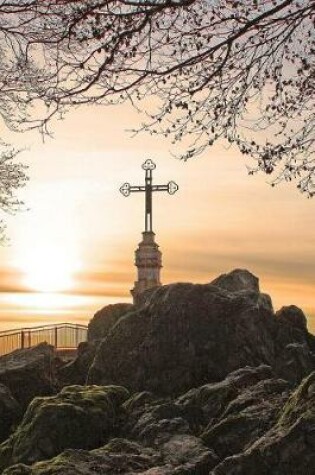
61	336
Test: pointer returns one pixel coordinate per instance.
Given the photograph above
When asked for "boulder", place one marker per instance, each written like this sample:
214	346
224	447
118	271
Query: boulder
237	280
10	412
294	362
75	372
213	381
247	417
29	372
227	415
292	315
105	319
186	454
288	447
249	423
301	404
186	335
214	399
118	457
180	456
78	417
157	422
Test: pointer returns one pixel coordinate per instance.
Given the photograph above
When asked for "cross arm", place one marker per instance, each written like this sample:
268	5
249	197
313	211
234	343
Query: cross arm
171	187
126	189
136	188
160	188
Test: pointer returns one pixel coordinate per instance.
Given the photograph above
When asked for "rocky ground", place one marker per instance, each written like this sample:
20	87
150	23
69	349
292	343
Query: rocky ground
197	379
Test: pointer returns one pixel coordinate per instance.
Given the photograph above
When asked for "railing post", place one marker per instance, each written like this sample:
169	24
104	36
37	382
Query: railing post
60	335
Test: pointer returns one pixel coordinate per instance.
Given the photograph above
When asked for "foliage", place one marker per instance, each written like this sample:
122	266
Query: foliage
199	69
12	178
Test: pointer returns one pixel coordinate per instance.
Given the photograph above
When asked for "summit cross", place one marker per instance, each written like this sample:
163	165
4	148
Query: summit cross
148	189
148	257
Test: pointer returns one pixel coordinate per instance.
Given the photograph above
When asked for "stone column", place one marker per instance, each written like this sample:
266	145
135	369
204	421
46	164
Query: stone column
148	262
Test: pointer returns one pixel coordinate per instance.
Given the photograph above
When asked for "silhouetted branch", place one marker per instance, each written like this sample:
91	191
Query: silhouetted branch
238	70
12	178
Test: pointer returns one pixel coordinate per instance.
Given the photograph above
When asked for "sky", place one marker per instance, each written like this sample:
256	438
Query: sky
72	251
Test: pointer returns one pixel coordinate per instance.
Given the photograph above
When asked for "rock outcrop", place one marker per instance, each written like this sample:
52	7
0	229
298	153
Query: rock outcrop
105	319
288	447
293	316
10	412
247	417
29	373
76	372
185	335
237	280
194	380
122	457
78	417
250	423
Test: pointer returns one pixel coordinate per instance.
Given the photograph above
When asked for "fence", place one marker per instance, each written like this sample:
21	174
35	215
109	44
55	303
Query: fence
62	336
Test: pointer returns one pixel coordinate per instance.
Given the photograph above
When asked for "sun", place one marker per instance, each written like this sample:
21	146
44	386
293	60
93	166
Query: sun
47	252
49	268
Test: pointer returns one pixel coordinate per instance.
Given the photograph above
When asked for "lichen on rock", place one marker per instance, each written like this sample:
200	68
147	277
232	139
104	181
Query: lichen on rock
78	417
287	447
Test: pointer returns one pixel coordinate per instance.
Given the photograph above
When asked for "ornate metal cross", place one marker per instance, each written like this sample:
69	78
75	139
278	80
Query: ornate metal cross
148	188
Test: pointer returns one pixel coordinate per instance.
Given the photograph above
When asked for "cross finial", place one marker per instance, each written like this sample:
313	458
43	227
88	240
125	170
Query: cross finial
148	188
149	165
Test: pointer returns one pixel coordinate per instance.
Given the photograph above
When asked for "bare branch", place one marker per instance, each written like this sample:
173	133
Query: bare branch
238	70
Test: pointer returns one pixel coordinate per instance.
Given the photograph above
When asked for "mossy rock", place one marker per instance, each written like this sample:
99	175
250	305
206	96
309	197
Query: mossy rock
119	456
231	435
78	417
182	455
288	447
10	413
301	403
138	401
6	454
214	398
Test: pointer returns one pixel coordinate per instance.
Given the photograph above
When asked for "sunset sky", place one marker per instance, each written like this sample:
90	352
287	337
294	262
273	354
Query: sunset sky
72	252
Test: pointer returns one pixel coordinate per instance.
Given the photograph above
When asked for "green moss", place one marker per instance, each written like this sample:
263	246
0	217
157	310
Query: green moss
138	400
229	428
6	449
211	398
19	469
100	460
81	417
301	403
119	445
63	463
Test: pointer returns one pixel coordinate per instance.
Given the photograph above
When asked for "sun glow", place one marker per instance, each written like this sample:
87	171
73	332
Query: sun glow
47	252
49	268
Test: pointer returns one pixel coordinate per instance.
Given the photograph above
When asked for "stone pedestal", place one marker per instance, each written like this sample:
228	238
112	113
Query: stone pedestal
148	262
